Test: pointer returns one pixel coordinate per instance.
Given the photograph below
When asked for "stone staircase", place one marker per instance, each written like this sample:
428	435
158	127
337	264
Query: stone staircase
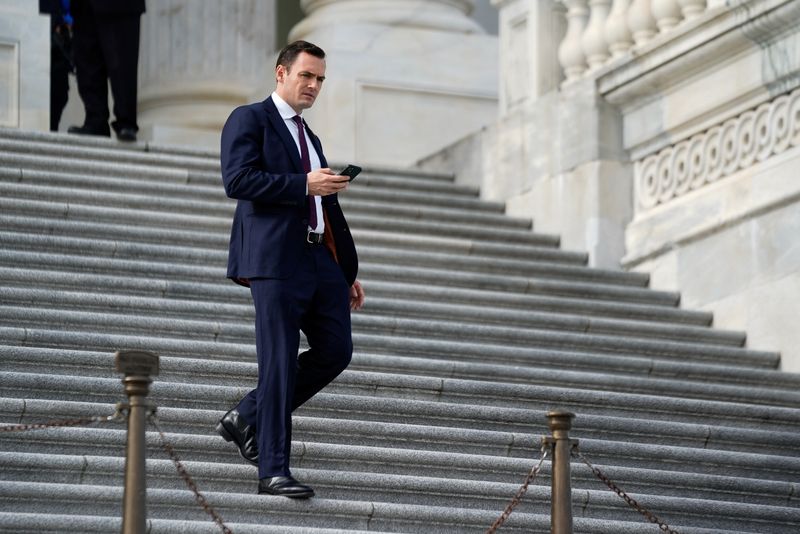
474	327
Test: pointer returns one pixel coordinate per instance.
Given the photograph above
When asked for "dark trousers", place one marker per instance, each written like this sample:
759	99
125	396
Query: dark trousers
316	301
59	84
106	48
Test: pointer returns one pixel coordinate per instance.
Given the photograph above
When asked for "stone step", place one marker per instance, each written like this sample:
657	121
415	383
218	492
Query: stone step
223	207
409	336
420	492
685	379
156	219
397	448
378	307
228	293
129	236
367	255
57	149
356	192
383	487
352	516
110	146
508	432
369	331
572	284
105	168
36	523
419	388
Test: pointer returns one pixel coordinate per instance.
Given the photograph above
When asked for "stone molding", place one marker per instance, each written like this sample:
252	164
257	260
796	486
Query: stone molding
9	83
738	143
437	15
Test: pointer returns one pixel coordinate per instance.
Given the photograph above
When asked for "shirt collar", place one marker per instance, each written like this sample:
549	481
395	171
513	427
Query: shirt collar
285	110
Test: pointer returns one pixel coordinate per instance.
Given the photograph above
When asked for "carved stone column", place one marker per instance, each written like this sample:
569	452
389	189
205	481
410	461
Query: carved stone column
199	59
405	78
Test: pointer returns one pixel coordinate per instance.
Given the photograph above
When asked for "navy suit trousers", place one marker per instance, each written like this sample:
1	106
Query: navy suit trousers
316	301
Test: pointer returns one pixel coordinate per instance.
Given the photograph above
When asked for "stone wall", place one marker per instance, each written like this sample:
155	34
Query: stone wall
669	149
24	66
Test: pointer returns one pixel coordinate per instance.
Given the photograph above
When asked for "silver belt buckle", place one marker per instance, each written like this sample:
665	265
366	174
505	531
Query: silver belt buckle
315	240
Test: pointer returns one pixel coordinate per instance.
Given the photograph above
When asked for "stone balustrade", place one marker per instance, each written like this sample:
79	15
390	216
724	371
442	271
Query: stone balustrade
599	31
738	143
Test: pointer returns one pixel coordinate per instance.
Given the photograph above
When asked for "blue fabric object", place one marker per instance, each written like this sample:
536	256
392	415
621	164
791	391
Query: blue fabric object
67	16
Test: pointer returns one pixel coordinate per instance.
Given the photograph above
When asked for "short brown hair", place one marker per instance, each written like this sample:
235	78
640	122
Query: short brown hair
290	52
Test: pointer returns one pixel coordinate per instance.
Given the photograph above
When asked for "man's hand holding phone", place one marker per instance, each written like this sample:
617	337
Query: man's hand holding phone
324	182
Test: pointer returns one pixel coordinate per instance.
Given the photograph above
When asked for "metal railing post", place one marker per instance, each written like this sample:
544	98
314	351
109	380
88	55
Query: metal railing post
138	367
560	423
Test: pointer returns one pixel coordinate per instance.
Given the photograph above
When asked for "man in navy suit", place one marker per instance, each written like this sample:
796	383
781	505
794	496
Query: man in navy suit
291	245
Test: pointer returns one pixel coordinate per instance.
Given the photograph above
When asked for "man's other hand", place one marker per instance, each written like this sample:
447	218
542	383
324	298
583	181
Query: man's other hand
324	182
356	296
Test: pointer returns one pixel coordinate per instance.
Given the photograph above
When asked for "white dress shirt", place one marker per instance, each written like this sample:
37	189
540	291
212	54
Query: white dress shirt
287	114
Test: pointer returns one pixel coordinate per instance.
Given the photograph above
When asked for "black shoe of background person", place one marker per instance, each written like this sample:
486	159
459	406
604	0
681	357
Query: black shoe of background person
232	427
284	487
88	130
126	134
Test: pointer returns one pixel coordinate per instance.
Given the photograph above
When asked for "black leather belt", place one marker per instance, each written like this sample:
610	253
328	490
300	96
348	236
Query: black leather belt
314	238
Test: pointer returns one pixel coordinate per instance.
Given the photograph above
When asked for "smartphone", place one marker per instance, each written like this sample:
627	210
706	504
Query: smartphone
351	171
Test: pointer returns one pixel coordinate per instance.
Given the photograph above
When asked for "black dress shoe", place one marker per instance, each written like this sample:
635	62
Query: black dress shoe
285	487
88	130
232	427
126	134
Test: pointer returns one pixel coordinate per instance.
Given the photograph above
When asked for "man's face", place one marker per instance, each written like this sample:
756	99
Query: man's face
300	84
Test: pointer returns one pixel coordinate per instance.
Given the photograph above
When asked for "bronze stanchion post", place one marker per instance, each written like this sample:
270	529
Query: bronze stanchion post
138	367
561	508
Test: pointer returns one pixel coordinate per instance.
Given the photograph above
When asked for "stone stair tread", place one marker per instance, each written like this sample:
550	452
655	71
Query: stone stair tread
580	336
109	144
224	207
213	337
222	372
459	199
379	309
387	487
702	509
554	279
450	391
539	298
371	254
519	431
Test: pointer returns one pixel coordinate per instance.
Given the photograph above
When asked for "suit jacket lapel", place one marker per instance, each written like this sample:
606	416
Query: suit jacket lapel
283	131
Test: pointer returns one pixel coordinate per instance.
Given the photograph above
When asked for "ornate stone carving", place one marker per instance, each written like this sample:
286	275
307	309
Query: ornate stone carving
720	151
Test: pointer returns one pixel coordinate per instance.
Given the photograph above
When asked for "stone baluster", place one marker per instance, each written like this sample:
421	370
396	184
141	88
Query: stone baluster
692	9
593	40
618	36
667	14
570	52
641	22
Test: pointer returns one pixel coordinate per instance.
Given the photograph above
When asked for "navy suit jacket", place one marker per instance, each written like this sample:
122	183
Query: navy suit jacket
261	169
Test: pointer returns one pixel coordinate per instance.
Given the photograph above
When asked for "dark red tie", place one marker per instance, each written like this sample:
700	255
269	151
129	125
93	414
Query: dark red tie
306	161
